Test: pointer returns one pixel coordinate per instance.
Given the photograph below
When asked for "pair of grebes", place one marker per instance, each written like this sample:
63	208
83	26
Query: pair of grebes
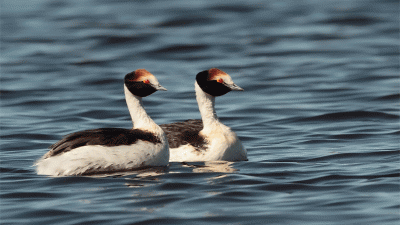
147	144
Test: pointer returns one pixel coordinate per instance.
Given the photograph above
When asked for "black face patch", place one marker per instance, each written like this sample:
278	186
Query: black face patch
138	88
211	87
103	136
183	133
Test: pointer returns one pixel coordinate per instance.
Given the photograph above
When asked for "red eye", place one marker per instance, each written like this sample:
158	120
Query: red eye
146	81
220	80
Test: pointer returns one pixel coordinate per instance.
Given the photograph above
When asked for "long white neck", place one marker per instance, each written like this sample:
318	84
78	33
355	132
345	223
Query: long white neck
206	104
140	119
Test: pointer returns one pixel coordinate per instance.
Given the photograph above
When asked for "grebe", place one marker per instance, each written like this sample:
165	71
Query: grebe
113	149
207	139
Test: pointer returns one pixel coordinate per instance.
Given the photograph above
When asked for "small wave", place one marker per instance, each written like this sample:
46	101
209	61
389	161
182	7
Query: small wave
13	170
93	62
324	37
353	21
35	40
179	52
234	8
353	155
180	49
48	212
176	186
337	177
187	22
27	136
329	158
293	187
82	23
30	195
353	115
103	81
304	52
350	136
105	40
239	194
381	187
393	97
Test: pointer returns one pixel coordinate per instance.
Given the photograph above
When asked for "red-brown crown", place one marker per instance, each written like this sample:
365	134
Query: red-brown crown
214	72
139	75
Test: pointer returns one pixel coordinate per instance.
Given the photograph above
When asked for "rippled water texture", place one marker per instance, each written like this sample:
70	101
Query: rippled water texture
319	115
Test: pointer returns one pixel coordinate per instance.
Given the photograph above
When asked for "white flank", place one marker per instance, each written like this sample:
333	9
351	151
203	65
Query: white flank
100	159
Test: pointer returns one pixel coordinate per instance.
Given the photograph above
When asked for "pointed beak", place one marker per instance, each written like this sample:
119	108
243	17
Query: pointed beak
158	87
234	87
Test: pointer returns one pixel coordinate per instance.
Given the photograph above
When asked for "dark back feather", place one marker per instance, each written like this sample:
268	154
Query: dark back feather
187	132
103	137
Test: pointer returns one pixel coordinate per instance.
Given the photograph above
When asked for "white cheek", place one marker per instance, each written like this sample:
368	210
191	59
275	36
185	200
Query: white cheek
152	80
224	79
227	80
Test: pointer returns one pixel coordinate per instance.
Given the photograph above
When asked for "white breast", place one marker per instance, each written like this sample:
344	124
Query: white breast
223	144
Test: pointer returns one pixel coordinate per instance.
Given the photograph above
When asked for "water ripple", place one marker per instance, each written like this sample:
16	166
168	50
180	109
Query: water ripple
319	114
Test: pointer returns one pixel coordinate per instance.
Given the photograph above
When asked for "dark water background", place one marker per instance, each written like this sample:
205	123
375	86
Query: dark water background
319	115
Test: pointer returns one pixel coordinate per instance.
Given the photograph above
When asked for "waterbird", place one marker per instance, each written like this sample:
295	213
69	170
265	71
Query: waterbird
107	150
207	139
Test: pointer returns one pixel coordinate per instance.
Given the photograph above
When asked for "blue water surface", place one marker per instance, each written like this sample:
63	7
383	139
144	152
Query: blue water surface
319	115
